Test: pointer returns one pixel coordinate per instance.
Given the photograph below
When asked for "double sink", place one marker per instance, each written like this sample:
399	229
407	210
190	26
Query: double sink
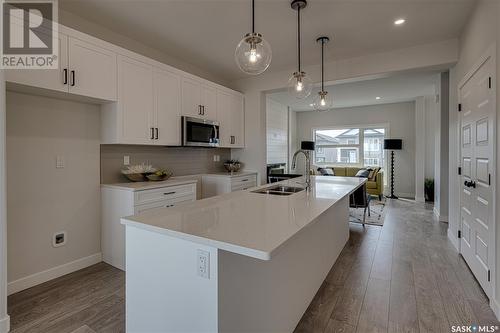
279	190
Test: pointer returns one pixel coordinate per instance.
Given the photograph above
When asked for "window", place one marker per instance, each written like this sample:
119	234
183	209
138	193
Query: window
360	146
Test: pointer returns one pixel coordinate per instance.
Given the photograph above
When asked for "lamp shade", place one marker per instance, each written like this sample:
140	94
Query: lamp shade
307	145
393	144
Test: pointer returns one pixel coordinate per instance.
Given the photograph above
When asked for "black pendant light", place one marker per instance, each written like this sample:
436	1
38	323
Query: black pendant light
299	84
322	101
253	54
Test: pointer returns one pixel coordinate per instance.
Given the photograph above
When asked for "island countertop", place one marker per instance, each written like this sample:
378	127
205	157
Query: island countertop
247	223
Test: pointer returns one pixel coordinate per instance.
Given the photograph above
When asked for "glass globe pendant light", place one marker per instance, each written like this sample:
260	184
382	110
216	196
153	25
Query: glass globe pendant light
322	101
253	54
299	84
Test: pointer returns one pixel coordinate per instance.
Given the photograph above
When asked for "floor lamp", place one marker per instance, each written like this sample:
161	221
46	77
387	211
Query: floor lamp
392	145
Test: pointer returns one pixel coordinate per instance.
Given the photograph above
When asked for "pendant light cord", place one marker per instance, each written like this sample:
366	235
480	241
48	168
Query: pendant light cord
253	16
298	36
322	65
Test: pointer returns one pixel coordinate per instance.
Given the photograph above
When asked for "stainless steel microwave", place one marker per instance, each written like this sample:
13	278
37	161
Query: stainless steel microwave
198	132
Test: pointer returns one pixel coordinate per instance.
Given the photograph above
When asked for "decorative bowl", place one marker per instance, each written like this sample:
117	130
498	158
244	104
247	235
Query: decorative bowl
136	177
232	166
157	178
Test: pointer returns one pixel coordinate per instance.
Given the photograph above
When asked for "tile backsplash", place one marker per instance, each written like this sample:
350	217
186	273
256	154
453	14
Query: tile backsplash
180	160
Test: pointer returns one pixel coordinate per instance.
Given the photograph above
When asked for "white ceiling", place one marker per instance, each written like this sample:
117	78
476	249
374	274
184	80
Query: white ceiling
401	88
205	33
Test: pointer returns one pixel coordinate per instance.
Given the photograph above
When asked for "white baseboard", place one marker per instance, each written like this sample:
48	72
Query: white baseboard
495	307
405	195
52	273
5	324
453	239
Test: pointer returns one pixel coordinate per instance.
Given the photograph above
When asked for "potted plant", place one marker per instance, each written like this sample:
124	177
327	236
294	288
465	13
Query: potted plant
429	189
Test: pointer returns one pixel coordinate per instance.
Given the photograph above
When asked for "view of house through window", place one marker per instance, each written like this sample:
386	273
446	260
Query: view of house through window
356	146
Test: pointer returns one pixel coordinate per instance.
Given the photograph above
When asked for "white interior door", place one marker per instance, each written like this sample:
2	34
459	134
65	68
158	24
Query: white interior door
477	99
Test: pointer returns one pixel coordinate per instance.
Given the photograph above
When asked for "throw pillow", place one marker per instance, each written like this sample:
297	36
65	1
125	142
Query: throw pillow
326	172
373	176
362	173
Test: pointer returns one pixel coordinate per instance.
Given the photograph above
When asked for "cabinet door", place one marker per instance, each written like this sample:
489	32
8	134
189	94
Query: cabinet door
135	101
208	102
92	70
53	79
191	92
167	105
237	121
224	117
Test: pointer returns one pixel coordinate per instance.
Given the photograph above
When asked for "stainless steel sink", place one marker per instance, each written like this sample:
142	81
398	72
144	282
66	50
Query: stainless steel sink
279	190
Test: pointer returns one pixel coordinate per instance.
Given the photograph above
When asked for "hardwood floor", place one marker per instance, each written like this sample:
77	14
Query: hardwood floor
403	277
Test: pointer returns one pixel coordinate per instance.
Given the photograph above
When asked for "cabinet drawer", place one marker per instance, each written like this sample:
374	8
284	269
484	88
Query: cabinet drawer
163	203
164	193
243	182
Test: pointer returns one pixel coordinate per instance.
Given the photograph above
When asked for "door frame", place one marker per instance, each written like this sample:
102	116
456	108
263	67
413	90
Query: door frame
490	54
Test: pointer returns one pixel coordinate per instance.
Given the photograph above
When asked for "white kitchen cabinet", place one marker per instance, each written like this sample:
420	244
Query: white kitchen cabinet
148	107
230	114
52	79
135	102
198	99
167	107
92	70
84	69
217	184
130	199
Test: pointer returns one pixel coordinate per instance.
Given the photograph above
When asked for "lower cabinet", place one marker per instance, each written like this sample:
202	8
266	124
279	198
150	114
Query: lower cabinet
213	185
118	202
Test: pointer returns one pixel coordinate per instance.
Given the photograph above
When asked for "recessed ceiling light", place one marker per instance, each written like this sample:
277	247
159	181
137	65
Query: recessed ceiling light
312	104
378	97
399	21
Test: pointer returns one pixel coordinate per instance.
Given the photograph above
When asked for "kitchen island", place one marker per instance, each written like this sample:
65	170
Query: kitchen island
239	262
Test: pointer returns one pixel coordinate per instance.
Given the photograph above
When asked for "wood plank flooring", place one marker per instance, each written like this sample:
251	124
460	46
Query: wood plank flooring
403	277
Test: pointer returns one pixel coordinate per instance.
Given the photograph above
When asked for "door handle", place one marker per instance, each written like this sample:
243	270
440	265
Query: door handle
152	133
156	133
73	78
473	184
65	79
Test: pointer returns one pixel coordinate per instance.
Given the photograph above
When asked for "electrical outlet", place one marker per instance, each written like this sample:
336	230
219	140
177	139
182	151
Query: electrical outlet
203	264
60	164
126	160
59	239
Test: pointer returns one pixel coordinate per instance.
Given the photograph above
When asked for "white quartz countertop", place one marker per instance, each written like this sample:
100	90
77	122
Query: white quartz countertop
247	223
141	186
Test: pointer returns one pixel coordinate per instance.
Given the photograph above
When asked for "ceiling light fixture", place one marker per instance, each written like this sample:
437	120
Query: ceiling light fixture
322	102
299	84
377	97
399	21
253	54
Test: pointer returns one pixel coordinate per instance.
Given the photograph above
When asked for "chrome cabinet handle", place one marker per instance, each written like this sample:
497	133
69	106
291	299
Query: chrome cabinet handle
156	133
203	109
65	71
73	78
199	110
233	139
152	133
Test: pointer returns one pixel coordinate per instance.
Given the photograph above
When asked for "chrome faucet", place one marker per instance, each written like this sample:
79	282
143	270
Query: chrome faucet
307	154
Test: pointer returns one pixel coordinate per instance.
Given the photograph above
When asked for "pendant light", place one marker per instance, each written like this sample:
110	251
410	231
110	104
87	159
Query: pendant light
322	102
299	84
253	54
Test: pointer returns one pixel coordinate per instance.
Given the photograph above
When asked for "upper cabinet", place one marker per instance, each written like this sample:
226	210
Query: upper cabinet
148	107
198	99
230	114
52	79
142	100
92	70
84	69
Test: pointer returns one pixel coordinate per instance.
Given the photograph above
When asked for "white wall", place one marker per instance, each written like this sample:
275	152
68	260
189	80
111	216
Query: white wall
436	55
43	200
481	32
276	132
441	149
4	318
401	120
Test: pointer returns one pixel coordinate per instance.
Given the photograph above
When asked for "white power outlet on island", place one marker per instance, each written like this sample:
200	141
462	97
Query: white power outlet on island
216	158
126	160
203	264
